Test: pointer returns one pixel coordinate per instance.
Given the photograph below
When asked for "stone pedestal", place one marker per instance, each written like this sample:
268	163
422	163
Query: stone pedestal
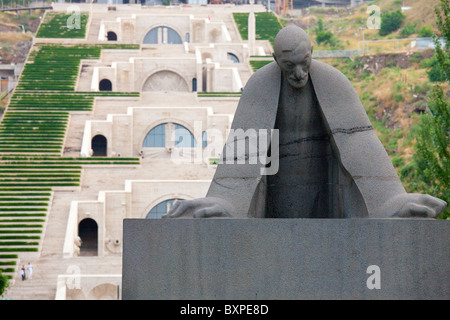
286	259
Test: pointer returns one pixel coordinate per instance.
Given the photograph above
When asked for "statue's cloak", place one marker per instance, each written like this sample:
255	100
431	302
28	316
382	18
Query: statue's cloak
364	177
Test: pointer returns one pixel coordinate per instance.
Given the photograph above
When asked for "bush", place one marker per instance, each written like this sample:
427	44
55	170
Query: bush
398	97
408	30
397	161
391	21
426	31
416	57
435	72
325	37
4	284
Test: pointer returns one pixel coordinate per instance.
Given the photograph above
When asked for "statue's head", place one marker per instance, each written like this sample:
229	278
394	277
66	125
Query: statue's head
293	53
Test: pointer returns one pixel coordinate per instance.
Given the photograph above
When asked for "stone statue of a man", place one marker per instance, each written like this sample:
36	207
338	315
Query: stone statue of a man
331	164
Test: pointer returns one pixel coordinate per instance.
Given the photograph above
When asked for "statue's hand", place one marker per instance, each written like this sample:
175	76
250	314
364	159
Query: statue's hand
412	205
200	208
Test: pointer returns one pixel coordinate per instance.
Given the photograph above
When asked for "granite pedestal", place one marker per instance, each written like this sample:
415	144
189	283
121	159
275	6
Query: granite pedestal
286	259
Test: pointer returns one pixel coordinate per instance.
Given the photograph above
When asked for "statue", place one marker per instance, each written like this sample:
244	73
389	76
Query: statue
330	164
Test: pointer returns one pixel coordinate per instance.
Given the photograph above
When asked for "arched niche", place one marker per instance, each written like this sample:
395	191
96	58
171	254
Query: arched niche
165	80
88	233
99	146
111	36
105	85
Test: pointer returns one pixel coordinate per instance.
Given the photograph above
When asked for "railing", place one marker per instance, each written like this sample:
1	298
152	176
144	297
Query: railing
336	53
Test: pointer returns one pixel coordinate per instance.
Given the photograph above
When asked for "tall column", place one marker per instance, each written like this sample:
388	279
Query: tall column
251	30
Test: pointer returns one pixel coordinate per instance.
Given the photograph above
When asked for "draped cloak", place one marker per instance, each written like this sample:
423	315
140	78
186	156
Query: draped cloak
363	177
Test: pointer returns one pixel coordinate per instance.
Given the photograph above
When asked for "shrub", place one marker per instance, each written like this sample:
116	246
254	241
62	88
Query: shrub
398	97
426	31
408	30
422	89
4	284
391	21
416	57
397	161
435	72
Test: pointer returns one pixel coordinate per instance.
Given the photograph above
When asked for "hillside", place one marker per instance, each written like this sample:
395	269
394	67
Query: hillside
16	33
348	24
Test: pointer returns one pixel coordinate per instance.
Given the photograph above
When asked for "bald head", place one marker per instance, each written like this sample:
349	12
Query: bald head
289	38
293	53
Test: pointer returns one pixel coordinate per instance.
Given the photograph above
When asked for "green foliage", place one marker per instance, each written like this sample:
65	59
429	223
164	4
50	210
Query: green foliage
443	23
61	25
429	171
435	72
432	148
397	161
422	89
398	97
325	37
416	57
408	30
425	31
391	21
4	284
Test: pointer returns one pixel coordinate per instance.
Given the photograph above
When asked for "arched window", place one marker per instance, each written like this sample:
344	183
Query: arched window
183	137
112	36
99	146
204	139
194	84
172	37
105	85
233	57
151	37
88	233
156	138
164	35
161	209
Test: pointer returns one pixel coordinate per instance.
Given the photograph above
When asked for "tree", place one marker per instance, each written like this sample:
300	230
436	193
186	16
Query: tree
432	149
323	36
443	24
391	21
4	283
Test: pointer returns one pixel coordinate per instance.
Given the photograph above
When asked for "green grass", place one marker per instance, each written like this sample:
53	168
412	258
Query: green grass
218	94
267	25
257	64
63	25
38	114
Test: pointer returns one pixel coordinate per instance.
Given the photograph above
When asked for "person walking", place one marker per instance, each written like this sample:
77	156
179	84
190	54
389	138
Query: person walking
22	272
30	270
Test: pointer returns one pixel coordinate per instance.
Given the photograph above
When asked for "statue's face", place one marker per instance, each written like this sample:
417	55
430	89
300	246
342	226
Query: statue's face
295	64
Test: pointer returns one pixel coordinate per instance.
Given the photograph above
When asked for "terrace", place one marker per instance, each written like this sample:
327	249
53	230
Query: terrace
32	134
